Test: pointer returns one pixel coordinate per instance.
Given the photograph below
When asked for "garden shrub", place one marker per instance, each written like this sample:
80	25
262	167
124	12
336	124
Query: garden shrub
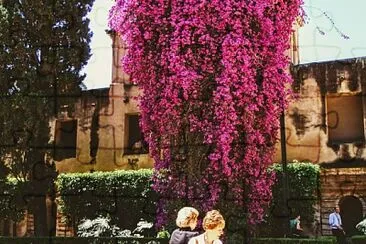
163	234
12	204
303	181
115	194
124	196
98	227
322	240
362	226
81	240
101	227
359	239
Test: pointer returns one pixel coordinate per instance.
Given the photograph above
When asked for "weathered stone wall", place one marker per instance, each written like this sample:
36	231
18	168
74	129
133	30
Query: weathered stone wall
109	107
101	131
307	117
336	184
325	125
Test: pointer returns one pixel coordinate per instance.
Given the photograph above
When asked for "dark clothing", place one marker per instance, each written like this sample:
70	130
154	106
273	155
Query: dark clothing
299	234
339	234
182	236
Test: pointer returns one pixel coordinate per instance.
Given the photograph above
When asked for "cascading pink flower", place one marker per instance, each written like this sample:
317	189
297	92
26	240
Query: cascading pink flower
218	68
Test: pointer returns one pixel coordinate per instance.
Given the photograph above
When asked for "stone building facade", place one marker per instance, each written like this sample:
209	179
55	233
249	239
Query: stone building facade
324	124
102	133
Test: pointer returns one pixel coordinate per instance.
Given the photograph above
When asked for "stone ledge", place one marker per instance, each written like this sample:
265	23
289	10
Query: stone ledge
343	171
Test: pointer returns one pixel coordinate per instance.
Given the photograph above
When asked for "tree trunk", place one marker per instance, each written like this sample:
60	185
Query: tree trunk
6	228
40	216
39	185
52	216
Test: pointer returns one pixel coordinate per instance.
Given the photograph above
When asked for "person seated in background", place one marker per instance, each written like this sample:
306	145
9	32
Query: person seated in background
186	222
137	147
296	229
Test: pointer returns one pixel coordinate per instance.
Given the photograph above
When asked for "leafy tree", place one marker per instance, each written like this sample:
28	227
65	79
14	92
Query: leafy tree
43	47
213	82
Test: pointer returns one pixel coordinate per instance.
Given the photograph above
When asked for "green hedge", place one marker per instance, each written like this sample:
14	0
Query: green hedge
321	240
87	195
303	181
80	240
125	196
359	239
106	240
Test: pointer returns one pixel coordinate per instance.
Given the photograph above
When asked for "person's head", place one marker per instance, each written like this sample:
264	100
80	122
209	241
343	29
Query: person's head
187	217
298	217
347	74
213	223
337	209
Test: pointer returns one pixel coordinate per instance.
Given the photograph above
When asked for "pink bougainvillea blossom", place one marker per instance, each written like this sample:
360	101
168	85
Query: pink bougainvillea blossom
215	69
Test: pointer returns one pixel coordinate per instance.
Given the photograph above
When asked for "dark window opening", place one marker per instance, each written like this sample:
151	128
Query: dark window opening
65	139
351	214
134	140
345	119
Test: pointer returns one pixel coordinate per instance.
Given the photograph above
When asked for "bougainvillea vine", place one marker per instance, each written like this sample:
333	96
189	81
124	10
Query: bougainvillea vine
214	82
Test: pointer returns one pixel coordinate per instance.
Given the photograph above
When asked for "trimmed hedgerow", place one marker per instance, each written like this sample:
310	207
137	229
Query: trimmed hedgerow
127	196
321	240
81	240
124	196
359	239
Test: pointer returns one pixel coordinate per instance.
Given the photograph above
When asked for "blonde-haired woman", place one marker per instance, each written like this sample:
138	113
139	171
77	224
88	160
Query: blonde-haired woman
186	222
213	224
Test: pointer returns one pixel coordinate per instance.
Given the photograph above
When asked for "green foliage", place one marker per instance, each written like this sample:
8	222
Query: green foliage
124	196
81	240
12	204
44	46
360	239
163	234
98	227
321	240
3	20
87	195
101	227
303	181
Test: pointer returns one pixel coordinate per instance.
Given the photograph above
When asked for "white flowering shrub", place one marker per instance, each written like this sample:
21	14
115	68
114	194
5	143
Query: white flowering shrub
362	226
101	227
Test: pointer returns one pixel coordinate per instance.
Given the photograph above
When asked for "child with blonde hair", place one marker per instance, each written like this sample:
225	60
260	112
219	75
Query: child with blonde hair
213	224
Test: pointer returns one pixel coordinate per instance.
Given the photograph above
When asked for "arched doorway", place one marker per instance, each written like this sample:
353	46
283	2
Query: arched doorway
351	213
